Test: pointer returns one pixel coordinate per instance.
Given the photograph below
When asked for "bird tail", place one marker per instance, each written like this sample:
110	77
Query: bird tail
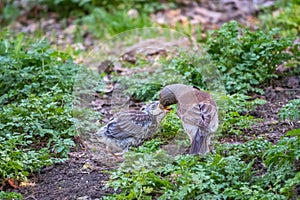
200	144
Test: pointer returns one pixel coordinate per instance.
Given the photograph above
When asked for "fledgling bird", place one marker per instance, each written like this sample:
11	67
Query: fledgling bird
197	111
130	128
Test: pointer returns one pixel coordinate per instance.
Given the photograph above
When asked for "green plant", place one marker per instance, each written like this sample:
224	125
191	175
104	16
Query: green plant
284	15
149	146
68	8
10	195
237	118
139	175
248	151
184	67
290	111
36	124
294	62
181	69
171	125
242	103
235	124
285	152
231	173
282	162
9	12
103	23
18	164
246	58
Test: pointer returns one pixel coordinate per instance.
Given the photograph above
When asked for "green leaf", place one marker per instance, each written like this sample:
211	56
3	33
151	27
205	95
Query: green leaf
294	132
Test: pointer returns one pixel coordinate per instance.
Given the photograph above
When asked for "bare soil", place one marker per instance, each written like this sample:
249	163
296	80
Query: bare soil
81	177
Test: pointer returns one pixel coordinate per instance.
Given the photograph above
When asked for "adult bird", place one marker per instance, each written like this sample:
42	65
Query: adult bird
130	128
197	111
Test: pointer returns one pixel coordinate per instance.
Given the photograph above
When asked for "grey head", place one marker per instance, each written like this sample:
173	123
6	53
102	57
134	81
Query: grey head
151	106
167	97
155	110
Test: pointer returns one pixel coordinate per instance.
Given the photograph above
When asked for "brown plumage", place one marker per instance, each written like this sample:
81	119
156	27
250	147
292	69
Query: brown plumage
197	111
130	128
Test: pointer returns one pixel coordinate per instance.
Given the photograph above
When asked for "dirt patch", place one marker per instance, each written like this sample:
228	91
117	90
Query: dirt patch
81	177
277	92
212	14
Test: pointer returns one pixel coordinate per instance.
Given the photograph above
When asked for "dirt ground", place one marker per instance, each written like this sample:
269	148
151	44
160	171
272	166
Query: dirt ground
81	177
277	92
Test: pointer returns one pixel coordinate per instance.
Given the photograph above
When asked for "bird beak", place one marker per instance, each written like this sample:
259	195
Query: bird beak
167	109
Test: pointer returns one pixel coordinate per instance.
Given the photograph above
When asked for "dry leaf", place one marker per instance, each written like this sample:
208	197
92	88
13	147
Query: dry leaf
27	184
12	183
86	166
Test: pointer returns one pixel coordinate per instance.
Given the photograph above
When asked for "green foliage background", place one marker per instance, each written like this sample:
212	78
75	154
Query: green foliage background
37	126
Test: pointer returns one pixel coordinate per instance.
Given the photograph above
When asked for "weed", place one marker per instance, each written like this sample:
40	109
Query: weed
9	12
146	85
246	58
67	8
282	161
149	146
103	23
236	118
228	174
36	125
171	125
285	16
10	195
290	111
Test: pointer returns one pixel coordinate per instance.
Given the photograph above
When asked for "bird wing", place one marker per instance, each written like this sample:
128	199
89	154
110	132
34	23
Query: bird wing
196	107
199	115
128	124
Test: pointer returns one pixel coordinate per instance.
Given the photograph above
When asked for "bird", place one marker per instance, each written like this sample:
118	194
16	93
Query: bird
198	112
130	128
